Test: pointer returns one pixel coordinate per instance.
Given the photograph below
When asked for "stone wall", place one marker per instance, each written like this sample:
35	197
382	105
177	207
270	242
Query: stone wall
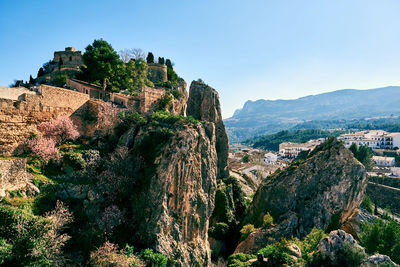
389	181
384	196
149	97
14	93
18	118
60	97
13	175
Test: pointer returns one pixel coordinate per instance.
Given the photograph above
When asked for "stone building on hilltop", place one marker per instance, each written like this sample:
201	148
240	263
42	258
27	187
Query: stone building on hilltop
68	59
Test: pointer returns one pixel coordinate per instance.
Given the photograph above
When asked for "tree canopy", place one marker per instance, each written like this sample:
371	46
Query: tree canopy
102	64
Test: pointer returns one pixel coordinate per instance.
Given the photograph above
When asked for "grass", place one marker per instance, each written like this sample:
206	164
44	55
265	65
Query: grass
18	201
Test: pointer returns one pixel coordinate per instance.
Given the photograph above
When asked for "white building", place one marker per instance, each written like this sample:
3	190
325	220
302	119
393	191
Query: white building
373	139
270	158
292	150
384	161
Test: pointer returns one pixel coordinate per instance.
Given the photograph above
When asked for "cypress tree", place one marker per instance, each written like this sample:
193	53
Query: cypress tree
150	58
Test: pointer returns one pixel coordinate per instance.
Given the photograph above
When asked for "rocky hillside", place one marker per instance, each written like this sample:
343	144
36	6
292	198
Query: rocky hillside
320	190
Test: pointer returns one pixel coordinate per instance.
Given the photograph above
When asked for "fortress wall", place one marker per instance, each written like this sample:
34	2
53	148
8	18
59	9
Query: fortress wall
60	97
18	120
157	72
149	98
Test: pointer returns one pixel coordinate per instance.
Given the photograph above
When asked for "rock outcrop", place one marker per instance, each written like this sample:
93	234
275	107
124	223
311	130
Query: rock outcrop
378	260
13	175
336	250
321	190
353	223
179	103
175	203
203	104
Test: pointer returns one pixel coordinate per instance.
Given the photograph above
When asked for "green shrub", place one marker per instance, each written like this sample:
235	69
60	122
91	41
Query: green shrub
33	240
219	231
240	260
267	220
277	254
177	94
5	251
381	237
367	204
222	211
238	196
386	213
246	158
153	259
165	102
132	118
73	160
246	231
310	243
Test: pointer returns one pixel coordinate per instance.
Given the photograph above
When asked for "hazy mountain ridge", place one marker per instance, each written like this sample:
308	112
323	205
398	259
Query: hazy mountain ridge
268	116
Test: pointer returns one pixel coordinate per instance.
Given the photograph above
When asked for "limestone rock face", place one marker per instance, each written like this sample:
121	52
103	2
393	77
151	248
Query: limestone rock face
203	104
378	260
353	223
173	207
179	105
321	191
13	175
331	245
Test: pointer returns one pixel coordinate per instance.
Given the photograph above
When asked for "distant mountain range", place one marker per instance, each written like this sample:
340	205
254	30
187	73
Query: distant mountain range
341	106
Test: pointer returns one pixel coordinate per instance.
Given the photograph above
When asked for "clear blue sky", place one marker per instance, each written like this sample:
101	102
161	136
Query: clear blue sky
246	49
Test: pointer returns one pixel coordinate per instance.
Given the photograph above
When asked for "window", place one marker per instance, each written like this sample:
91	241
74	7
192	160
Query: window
70	58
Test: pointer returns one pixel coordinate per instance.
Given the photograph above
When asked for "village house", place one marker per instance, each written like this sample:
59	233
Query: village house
376	139
292	150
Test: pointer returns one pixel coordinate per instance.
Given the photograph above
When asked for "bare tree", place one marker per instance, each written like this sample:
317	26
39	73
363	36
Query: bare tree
128	54
137	53
125	55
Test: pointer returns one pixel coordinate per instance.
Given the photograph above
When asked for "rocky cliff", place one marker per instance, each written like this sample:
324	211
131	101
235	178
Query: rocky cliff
203	104
182	161
320	190
174	205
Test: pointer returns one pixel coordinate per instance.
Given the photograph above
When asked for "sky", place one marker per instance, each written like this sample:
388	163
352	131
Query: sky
245	49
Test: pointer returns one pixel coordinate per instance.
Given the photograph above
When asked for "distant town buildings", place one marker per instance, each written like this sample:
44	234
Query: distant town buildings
270	158
375	139
292	150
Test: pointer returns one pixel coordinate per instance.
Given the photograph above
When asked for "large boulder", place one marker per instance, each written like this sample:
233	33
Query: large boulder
203	104
321	190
